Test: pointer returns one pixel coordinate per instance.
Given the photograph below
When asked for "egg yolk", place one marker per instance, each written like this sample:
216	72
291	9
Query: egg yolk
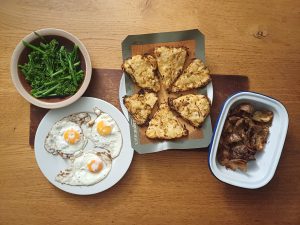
71	136
94	166
103	130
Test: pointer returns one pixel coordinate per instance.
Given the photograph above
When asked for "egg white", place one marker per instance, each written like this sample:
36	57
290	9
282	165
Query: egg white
112	142
78	173
55	142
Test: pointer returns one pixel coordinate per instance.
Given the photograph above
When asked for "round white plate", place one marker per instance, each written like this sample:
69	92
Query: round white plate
51	165
122	92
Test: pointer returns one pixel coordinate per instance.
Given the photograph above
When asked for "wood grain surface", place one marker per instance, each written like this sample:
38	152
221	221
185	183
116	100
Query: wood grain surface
225	84
260	39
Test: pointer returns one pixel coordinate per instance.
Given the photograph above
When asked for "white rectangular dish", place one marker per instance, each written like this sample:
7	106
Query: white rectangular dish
261	170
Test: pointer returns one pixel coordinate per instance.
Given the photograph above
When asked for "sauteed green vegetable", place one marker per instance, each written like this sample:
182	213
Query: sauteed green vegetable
51	69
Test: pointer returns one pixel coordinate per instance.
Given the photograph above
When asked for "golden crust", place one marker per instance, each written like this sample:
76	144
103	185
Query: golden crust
165	125
196	75
140	106
191	107
142	69
170	62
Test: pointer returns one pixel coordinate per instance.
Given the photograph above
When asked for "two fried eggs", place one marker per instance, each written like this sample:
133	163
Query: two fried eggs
91	141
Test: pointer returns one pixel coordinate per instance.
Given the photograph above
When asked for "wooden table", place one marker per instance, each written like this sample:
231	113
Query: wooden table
260	39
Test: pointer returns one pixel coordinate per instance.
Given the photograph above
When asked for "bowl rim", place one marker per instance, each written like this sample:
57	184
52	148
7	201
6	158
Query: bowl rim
14	68
213	146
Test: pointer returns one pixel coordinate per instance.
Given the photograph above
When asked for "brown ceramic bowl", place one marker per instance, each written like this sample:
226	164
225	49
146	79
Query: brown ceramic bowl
20	56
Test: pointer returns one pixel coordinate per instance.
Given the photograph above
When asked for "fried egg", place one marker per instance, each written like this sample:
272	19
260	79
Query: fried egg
66	137
87	168
104	133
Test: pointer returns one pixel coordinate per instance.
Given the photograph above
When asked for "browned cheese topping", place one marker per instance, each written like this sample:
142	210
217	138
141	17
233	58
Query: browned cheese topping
196	75
140	106
165	125
142	70
170	63
191	107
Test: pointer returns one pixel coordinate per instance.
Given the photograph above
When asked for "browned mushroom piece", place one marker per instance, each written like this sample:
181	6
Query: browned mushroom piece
263	116
261	139
228	127
243	108
224	155
233	119
239	122
239	151
234	137
235	164
245	132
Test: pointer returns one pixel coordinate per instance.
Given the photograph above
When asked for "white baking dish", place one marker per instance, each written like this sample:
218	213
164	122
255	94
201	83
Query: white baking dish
261	170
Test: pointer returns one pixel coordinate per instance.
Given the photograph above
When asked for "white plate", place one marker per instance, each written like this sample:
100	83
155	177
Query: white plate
122	92
50	165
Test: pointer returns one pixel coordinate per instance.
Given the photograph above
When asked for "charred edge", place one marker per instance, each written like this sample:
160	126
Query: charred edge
206	83
147	54
124	99
172	107
168	139
186	131
172	46
210	104
208	113
170	103
146	122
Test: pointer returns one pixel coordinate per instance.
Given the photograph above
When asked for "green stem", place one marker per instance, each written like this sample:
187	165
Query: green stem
72	72
41	37
56	81
57	72
32	47
21	66
62	70
79	72
44	94
43	45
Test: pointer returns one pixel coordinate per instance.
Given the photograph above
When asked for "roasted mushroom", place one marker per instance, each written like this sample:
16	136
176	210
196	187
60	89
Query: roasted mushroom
245	132
263	116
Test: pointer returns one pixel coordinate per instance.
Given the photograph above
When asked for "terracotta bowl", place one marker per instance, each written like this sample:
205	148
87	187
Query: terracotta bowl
20	56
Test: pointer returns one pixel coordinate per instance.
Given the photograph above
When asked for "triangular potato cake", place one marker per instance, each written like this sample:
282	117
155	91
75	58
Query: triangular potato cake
170	62
142	70
165	125
196	75
191	107
140	106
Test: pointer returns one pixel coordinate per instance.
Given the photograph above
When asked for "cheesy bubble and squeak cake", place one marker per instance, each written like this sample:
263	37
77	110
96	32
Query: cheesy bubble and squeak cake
140	106
191	107
196	75
157	76
142	70
165	125
170	62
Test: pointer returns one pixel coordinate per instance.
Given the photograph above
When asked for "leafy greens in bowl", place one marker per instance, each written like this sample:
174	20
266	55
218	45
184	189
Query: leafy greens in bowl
51	68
